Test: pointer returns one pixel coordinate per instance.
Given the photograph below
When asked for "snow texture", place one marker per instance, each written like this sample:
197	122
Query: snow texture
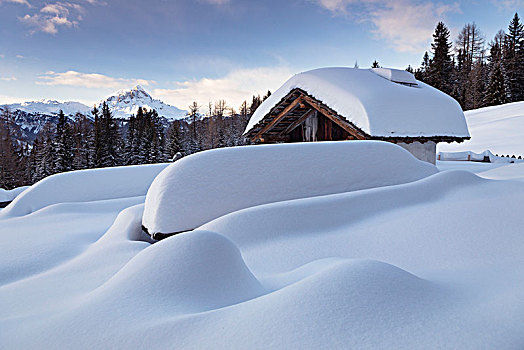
84	186
206	185
497	128
430	264
377	106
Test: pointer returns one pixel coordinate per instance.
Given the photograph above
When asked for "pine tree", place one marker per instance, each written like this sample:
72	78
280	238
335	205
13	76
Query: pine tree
174	141
496	88
97	150
63	143
111	140
513	59
255	102
440	68
8	155
82	142
44	154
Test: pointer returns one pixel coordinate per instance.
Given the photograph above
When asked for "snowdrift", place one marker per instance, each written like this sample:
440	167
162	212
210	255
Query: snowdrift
207	185
9	195
85	186
434	263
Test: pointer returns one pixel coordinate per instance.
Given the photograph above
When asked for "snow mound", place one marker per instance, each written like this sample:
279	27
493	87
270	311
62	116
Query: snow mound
193	272
9	195
497	128
207	185
377	106
84	186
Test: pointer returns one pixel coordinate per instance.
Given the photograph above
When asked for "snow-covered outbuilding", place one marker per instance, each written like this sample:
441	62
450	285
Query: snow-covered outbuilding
329	104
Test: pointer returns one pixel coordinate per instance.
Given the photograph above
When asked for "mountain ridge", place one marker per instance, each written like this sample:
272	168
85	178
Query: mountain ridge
123	104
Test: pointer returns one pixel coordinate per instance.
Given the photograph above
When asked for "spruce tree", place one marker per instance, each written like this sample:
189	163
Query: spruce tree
174	141
440	67
63	142
513	59
496	88
111	140
98	149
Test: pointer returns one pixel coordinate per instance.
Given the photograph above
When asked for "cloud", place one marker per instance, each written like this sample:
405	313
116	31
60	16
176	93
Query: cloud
89	80
405	25
8	78
21	2
235	87
53	16
2	55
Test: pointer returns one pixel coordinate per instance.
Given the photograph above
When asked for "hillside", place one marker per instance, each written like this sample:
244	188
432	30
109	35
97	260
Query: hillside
499	129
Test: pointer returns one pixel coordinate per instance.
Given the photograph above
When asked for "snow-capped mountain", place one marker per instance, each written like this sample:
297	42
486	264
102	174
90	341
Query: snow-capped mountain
30	117
122	104
50	107
125	103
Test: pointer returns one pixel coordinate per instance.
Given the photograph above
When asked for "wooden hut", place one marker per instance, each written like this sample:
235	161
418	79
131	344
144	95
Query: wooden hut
331	104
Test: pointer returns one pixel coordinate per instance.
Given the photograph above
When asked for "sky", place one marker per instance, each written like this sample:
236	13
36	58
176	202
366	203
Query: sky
205	50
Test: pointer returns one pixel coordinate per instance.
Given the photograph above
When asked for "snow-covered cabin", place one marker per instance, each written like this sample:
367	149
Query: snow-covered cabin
359	104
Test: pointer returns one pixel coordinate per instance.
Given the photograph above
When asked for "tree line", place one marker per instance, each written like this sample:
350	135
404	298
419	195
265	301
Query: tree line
475	74
104	141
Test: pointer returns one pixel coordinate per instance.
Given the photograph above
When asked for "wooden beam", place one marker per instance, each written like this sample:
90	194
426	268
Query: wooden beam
296	123
277	118
344	125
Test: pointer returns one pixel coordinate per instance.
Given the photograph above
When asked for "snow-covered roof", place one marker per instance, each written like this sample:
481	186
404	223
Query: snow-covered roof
375	103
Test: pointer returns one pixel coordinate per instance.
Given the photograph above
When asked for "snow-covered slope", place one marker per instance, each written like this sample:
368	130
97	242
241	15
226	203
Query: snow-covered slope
125	103
50	107
499	129
435	263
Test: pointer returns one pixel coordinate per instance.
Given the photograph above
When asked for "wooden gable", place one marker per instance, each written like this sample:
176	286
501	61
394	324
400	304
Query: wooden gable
285	122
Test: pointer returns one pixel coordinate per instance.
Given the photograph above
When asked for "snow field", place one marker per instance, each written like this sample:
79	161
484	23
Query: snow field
497	128
436	262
